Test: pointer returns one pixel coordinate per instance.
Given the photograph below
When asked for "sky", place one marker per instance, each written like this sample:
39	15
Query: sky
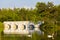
24	3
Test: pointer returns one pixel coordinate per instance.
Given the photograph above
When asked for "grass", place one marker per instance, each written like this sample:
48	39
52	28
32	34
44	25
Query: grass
14	37
1	26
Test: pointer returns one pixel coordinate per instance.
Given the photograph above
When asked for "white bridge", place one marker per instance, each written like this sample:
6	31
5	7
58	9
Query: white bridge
21	27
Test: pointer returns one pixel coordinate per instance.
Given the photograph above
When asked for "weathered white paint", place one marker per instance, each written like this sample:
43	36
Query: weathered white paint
17	27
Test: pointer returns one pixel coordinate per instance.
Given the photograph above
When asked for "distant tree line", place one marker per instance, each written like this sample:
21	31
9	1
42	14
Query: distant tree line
49	13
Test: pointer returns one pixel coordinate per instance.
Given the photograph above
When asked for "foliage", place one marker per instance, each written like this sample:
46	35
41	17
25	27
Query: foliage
49	13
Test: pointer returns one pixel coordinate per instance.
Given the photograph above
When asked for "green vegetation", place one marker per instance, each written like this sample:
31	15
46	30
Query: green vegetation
1	26
49	13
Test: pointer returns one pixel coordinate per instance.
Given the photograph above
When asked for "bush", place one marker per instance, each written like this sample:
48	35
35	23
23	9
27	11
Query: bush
1	27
